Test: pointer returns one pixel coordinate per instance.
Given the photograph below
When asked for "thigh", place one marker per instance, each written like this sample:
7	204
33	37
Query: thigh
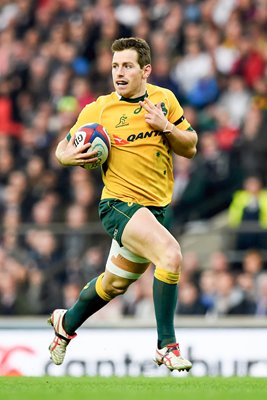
115	215
145	236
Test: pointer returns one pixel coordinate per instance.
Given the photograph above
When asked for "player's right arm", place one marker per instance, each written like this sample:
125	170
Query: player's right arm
68	154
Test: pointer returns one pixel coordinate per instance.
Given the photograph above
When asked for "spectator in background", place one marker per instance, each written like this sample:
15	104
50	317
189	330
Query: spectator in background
259	93
34	291
192	68
82	91
139	301
84	195
226	132
70	292
235	99
218	262
42	213
250	63
261	297
250	148
223	56
11	207
253	263
9	300
192	10
231	30
39	73
222	175
158	11
172	28
207	287
13	278
159	44
204	92
93	261
246	282
189	192
75	239
8	124
59	85
46	255
142	29
161	75
248	214
7	164
190	301
128	12
77	246
191	268
99	75
229	299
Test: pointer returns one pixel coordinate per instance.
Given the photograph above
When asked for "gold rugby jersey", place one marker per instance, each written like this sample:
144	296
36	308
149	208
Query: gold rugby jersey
139	168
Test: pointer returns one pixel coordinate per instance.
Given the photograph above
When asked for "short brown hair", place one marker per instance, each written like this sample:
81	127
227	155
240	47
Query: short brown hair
139	45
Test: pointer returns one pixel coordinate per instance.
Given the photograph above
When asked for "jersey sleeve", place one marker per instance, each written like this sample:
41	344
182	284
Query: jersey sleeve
176	113
88	115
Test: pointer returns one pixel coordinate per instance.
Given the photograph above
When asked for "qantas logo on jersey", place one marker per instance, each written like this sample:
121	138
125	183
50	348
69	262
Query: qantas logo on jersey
131	138
119	141
143	135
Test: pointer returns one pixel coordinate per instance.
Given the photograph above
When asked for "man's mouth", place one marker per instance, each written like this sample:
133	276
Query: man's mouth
121	83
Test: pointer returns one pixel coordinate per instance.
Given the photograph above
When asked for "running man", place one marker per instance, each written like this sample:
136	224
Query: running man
146	125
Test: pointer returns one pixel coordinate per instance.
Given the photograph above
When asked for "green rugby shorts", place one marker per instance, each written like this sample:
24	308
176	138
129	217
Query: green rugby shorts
114	215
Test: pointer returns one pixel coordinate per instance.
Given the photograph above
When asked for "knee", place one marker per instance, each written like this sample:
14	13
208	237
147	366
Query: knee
172	258
115	287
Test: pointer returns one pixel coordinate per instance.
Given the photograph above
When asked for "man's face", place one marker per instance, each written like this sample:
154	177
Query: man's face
128	78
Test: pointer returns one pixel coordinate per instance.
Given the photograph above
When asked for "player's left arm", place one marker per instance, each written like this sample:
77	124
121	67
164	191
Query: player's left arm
182	140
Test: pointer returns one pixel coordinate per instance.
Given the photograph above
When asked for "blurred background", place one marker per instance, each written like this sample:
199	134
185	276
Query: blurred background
55	58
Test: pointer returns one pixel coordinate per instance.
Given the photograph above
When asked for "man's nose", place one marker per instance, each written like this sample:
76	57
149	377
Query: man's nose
120	71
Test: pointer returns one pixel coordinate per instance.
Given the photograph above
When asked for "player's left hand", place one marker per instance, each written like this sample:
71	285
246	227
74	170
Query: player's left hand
154	116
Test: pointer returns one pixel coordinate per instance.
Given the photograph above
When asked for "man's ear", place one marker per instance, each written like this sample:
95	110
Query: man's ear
147	71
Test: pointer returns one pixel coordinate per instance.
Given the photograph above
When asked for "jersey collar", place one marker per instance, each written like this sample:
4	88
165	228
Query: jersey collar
136	100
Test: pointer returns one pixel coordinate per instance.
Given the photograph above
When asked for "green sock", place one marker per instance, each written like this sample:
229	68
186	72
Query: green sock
165	299
87	304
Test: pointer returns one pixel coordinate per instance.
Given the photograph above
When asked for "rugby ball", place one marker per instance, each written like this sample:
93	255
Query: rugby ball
97	135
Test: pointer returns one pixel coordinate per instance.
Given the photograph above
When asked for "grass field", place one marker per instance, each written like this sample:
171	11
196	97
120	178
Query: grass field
190	388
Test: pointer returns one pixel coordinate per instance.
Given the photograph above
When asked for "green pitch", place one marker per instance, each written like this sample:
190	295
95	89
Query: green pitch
169	388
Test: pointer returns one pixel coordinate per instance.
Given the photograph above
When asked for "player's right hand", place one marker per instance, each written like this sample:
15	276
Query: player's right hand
70	155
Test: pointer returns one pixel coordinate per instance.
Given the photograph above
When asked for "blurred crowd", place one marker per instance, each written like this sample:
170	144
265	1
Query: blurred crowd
55	58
